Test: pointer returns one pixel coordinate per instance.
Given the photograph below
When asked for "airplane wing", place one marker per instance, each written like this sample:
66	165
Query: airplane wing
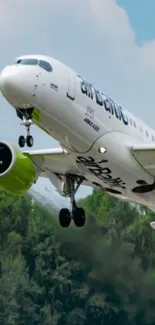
145	155
54	164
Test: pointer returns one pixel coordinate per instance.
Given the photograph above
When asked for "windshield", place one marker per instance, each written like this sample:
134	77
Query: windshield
45	65
27	61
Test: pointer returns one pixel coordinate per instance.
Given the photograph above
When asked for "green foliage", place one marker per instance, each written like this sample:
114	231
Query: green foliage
101	274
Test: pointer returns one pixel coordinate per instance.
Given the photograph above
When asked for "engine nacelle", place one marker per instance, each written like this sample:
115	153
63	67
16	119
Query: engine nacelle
17	171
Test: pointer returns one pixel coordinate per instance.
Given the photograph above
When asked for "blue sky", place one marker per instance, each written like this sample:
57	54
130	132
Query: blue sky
111	43
142	17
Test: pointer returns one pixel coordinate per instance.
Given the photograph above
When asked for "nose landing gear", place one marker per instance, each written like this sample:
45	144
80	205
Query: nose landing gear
29	139
76	213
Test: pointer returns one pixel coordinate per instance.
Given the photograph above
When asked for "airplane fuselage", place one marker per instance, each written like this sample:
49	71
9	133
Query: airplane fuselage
96	131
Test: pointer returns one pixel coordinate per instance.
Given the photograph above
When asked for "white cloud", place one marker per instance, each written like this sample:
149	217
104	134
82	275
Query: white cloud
113	20
115	25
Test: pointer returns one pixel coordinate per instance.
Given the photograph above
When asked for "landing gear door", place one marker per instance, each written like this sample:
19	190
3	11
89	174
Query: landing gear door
71	93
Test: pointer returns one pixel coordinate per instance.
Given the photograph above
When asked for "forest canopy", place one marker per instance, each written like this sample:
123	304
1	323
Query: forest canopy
103	273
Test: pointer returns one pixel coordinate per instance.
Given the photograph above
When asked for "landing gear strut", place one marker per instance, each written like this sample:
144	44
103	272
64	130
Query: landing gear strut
29	139
76	213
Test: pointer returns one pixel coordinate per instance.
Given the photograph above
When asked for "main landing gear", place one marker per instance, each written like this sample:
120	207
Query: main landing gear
76	213
29	139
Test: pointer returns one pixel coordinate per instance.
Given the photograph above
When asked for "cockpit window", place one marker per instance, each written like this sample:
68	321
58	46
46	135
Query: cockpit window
45	65
27	61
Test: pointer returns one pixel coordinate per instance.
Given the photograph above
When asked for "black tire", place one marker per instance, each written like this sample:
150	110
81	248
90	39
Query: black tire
64	218
79	217
21	141
29	141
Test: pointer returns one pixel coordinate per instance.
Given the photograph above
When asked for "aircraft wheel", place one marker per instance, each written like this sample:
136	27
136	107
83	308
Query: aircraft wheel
29	140
64	218
79	217
21	141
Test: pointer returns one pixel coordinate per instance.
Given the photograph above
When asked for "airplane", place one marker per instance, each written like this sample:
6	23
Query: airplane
102	145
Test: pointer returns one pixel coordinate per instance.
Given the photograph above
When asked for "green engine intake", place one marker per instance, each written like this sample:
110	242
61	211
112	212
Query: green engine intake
17	171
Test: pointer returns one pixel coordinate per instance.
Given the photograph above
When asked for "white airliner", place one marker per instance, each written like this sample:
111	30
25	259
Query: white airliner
101	144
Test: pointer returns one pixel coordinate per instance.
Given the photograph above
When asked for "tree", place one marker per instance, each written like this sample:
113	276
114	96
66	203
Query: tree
103	273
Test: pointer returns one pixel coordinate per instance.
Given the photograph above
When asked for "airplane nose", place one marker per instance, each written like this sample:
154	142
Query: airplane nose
11	85
17	85
1	80
8	81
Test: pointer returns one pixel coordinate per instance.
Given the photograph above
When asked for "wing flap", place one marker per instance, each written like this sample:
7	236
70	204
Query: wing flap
56	160
54	164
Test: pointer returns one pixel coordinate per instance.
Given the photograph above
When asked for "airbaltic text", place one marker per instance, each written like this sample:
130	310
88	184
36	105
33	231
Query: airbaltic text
101	100
101	172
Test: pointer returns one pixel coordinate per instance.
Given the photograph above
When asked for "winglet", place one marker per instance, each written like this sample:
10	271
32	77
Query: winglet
152	224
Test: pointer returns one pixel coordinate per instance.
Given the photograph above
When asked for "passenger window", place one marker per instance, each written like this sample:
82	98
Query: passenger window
27	61
130	121
147	133
45	65
153	138
134	124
